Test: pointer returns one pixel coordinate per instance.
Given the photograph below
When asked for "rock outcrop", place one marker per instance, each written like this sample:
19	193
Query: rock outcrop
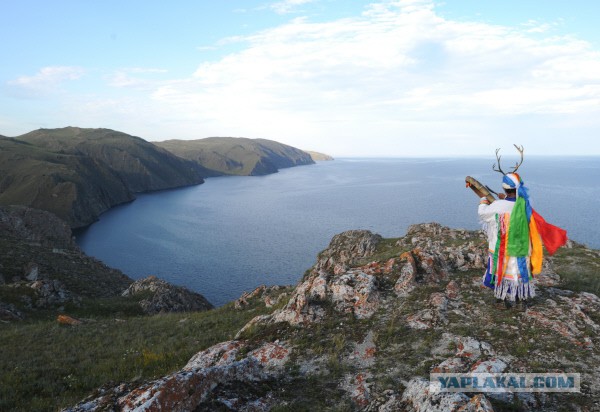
369	323
165	297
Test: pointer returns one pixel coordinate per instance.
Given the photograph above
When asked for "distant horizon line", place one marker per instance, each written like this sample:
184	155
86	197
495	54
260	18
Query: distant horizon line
451	156
407	156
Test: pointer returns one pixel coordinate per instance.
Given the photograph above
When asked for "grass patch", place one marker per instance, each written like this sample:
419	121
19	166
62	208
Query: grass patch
45	366
385	250
579	269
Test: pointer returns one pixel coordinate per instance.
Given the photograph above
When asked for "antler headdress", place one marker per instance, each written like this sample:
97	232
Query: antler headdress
517	165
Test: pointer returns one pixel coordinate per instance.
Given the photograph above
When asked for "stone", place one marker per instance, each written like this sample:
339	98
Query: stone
363	353
355	292
406	282
358	388
420	396
345	249
451	365
186	389
50	293
452	290
167	297
494	365
478	403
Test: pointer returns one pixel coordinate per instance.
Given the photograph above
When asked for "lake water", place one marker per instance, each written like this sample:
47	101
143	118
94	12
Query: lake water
232	234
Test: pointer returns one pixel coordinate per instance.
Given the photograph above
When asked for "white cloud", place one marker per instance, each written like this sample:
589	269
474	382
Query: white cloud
288	6
46	81
133	78
398	70
375	84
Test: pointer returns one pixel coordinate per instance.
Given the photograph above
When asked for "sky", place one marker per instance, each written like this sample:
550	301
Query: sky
343	77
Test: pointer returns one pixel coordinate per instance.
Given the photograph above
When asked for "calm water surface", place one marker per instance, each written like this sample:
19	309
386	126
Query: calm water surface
232	234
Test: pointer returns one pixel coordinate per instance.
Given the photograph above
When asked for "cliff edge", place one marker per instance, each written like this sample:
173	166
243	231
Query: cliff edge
373	318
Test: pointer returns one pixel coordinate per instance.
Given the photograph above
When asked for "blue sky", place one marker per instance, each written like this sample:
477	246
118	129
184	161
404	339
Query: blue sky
349	78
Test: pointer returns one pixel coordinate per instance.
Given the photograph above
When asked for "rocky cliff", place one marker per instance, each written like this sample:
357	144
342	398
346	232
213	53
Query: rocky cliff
238	156
372	319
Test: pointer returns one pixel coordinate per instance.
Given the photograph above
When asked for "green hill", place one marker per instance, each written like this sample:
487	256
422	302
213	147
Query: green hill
76	188
142	165
238	156
79	173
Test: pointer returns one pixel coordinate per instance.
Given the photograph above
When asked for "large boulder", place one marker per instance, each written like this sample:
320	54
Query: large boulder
346	249
165	297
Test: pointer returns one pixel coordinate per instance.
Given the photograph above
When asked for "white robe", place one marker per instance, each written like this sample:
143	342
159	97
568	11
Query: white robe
487	217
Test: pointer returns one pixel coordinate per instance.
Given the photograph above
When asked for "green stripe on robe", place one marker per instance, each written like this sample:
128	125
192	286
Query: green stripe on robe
518	233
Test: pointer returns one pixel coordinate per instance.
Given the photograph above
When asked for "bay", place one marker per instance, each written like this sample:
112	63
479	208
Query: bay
232	234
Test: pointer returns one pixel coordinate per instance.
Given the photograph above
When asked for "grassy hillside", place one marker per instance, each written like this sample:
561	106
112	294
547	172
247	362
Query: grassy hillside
63	364
238	156
76	188
79	173
45	364
140	164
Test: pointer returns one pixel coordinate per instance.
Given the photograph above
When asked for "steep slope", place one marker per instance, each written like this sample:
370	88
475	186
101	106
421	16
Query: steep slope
238	156
76	188
140	164
79	173
373	318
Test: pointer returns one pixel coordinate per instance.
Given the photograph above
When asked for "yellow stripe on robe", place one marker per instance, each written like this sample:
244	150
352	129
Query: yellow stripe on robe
537	253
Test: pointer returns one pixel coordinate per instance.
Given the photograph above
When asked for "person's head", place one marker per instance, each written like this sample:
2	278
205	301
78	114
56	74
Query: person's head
511	183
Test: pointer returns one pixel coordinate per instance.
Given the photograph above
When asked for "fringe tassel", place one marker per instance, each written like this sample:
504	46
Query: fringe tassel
511	290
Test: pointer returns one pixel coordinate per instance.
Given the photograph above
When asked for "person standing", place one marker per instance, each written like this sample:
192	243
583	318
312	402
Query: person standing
515	234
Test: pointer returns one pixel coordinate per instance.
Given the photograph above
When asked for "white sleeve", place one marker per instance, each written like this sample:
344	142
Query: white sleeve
487	213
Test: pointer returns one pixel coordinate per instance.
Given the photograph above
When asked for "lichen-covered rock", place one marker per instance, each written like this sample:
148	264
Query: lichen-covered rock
358	388
301	309
407	281
188	388
420	396
270	296
347	248
220	354
478	403
355	292
166	297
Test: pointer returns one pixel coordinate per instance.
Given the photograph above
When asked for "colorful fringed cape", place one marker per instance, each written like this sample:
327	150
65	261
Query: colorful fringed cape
518	254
